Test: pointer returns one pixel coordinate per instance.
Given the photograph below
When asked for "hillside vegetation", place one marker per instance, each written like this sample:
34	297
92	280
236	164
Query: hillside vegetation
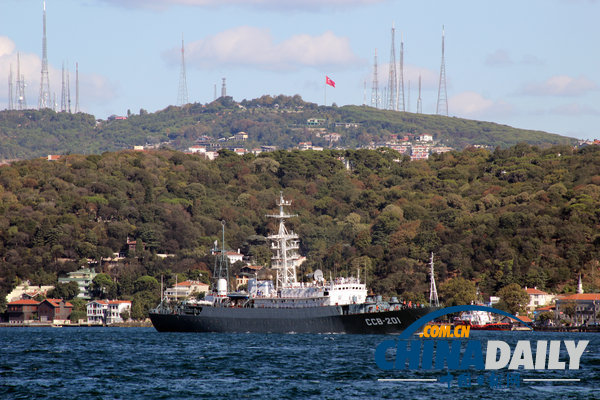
274	121
519	215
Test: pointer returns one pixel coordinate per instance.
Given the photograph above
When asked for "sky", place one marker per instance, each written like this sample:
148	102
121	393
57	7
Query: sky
531	64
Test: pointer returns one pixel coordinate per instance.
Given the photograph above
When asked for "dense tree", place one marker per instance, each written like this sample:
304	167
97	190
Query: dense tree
384	216
513	298
458	291
66	291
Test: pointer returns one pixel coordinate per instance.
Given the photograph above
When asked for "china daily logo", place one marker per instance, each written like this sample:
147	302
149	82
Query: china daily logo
436	352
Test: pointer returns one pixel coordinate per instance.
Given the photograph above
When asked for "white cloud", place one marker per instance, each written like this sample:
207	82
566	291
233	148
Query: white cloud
561	85
247	46
268	4
474	105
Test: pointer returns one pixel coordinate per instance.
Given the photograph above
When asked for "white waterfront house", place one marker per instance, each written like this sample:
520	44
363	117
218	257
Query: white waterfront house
106	312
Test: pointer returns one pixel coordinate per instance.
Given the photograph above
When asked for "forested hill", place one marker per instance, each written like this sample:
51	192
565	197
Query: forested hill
519	215
274	121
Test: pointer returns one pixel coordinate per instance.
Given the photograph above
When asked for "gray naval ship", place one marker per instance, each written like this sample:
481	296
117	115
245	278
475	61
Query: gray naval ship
337	305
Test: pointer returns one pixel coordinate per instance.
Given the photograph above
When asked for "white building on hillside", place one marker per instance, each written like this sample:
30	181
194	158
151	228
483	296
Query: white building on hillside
107	312
185	289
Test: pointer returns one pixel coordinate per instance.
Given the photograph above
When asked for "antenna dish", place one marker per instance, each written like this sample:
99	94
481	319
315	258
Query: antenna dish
318	275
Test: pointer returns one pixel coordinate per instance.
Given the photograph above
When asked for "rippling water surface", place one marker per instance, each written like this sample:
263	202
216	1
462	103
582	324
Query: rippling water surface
140	363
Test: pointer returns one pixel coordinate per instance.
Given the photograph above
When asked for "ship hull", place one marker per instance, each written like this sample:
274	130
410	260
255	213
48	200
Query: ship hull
327	319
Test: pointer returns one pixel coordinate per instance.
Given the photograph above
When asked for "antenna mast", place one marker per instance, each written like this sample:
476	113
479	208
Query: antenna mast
375	86
221	269
433	296
223	88
76	87
401	77
10	89
182	95
68	90
442	103
419	105
392	79
44	100
285	246
21	101
63	93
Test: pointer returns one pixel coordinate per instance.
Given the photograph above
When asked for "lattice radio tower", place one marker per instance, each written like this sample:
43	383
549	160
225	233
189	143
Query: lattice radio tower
375	86
68	90
182	94
442	103
433	295
10	89
392	78
223	88
20	96
63	91
400	102
419	105
44	100
76	87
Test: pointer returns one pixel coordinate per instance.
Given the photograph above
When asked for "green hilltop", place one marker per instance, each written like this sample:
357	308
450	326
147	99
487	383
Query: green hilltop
274	121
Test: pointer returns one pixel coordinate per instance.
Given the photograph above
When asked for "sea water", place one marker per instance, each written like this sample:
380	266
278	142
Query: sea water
140	363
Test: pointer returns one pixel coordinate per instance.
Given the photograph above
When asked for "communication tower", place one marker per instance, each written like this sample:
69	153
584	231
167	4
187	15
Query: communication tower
76	87
223	88
10	89
182	95
419	105
375	86
442	103
433	296
63	91
44	100
401	105
20	96
392	78
68	90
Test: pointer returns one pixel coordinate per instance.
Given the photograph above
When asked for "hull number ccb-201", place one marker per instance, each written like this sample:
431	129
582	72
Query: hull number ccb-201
382	321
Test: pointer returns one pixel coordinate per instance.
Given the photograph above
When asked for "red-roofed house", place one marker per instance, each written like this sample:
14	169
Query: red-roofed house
587	308
55	311
20	311
538	298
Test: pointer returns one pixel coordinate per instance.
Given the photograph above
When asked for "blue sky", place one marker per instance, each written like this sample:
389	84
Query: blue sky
531	64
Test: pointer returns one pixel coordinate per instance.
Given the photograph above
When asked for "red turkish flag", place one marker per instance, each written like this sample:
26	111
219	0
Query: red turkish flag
329	82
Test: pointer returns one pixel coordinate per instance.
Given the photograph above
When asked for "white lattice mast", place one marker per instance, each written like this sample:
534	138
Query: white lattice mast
63	91
419	103
442	103
285	247
10	89
392	78
400	102
68	90
375	86
433	296
182	94
76	87
44	100
20	96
